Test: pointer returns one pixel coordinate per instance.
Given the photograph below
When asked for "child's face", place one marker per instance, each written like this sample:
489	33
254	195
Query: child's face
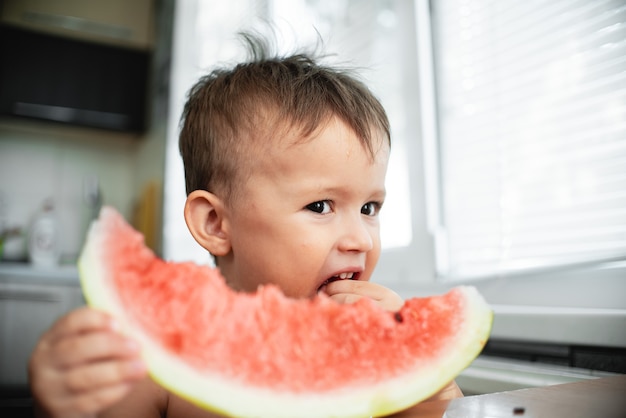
307	214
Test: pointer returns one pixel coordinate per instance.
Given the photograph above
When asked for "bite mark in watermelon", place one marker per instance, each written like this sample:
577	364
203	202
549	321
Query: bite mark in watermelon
266	355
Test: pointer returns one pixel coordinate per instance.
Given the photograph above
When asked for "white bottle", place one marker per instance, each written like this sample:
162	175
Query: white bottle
44	241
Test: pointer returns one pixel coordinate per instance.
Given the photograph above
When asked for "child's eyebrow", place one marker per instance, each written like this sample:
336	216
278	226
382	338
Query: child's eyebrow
377	194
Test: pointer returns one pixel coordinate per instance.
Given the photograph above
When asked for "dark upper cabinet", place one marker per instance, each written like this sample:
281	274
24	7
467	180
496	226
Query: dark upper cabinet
70	81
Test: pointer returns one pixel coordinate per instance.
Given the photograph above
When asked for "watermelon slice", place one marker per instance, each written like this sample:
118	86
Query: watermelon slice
266	355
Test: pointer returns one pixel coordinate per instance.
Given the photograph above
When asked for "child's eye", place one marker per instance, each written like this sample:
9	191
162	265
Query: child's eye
321	206
371	208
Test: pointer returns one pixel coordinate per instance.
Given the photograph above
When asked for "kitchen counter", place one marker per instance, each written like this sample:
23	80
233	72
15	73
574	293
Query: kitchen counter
31	299
66	274
605	398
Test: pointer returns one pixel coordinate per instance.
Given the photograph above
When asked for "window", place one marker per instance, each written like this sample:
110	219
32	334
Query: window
530	139
532	133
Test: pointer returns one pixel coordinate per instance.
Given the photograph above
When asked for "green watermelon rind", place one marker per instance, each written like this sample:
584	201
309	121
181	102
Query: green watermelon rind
234	399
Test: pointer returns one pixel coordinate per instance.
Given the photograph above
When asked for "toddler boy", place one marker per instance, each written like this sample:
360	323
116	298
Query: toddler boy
285	164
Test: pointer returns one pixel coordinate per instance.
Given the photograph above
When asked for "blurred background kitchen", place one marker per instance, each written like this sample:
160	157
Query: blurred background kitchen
508	166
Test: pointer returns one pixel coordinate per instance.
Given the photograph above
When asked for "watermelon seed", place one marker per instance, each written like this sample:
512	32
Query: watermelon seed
398	317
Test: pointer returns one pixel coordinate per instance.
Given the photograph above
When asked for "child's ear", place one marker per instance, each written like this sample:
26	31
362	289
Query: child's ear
206	219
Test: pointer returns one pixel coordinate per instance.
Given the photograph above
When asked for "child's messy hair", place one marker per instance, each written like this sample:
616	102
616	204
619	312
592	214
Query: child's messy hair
232	114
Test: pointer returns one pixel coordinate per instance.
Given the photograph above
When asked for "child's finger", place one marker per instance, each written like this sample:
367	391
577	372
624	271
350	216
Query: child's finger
91	402
80	320
96	376
368	289
93	346
345	298
349	291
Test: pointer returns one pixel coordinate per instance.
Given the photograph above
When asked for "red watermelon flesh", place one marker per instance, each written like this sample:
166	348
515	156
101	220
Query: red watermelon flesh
263	354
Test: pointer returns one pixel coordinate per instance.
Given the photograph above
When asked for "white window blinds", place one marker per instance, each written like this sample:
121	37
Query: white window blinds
532	133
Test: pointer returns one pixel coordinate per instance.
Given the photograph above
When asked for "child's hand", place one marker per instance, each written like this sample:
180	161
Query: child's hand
349	291
81	366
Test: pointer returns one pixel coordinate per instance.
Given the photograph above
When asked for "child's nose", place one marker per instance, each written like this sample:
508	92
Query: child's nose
356	235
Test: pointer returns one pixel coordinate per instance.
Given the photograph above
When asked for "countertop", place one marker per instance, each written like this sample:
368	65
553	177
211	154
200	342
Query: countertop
65	274
595	398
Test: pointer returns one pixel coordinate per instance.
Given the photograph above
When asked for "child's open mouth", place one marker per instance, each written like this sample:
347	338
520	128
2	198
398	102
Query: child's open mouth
341	276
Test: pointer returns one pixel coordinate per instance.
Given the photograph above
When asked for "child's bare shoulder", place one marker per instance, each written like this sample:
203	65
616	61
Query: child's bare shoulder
180	408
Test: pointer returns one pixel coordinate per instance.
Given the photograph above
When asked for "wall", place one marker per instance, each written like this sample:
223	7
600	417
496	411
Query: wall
40	160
